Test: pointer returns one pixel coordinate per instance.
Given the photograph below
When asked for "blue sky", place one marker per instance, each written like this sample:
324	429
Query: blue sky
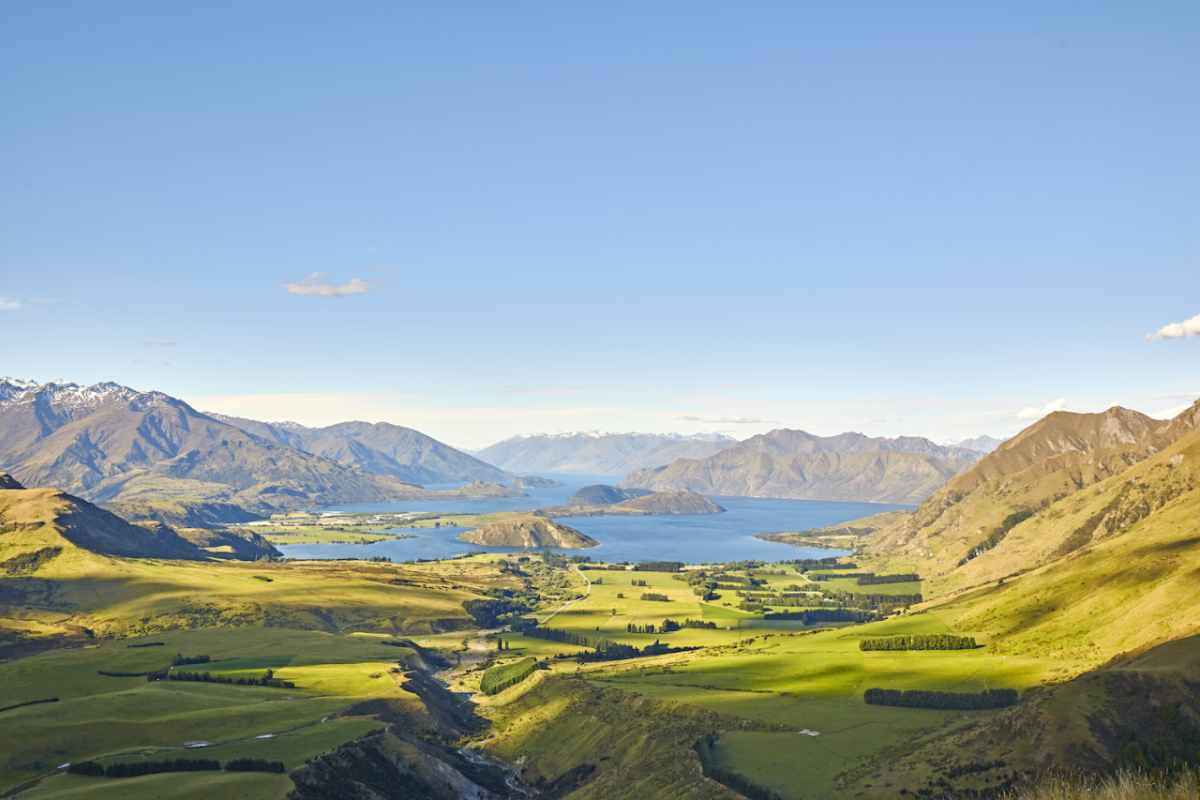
899	218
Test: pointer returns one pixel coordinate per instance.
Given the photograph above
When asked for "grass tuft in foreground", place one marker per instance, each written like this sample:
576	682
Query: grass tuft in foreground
1123	786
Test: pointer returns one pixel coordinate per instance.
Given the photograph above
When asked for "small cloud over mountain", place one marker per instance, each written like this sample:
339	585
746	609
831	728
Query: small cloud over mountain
1177	330
1036	413
317	284
1171	413
160	344
724	420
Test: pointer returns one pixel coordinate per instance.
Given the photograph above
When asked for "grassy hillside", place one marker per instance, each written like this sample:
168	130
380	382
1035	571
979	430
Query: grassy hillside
182	513
599	495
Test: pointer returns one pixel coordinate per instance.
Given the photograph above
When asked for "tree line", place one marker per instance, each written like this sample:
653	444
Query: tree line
658	566
135	769
920	641
266	679
729	778
603	649
822	615
871	580
656	596
28	563
941	701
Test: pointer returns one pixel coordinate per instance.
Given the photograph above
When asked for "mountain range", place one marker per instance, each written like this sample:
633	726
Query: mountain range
382	448
598	452
111	443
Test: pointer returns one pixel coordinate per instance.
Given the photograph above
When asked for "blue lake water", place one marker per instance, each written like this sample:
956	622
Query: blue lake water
690	538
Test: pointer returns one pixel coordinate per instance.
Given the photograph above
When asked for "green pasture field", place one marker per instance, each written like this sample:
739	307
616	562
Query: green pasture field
173	785
804	680
101	717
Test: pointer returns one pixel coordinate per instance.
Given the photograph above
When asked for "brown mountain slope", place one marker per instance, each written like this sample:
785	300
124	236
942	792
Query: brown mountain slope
109	442
877	477
381	447
1017	484
528	531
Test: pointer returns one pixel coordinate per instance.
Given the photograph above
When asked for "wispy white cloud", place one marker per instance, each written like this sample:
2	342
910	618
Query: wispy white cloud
1171	413
1177	330
1037	413
725	420
11	303
317	284
160	344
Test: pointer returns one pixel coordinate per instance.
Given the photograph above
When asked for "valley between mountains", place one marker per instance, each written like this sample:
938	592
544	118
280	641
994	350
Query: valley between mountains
1036	610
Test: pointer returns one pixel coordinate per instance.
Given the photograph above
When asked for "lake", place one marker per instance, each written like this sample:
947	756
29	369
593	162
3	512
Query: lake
690	538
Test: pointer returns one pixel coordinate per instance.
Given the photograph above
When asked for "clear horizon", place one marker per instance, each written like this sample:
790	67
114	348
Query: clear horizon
479	221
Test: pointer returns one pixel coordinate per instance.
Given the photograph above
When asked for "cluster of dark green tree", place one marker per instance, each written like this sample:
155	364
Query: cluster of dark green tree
181	660
750	606
266	679
656	597
555	560
108	674
738	783
959	770
941	701
497	679
920	641
666	626
697	623
28	563
637	582
872	580
147	644
254	765
136	769
831	576
488	613
805	564
822	615
997	536
658	566
1176	746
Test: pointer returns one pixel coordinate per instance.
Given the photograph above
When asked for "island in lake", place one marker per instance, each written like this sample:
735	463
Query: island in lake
534	482
528	531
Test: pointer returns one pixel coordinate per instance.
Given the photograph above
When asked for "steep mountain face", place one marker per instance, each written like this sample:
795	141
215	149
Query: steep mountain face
1042	495
597	452
108	442
875	477
783	441
528	531
381	448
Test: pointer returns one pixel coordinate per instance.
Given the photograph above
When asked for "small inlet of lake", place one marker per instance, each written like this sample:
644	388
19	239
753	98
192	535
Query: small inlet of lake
689	538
